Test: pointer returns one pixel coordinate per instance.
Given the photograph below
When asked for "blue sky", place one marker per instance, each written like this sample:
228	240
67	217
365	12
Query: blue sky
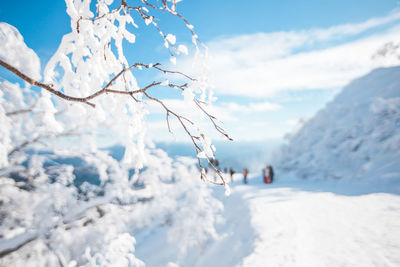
272	63
43	23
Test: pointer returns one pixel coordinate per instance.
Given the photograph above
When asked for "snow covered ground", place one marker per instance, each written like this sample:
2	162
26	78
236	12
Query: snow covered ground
295	223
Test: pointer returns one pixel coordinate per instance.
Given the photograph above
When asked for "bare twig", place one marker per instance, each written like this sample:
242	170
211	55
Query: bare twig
39	138
193	138
19	242
212	119
17	112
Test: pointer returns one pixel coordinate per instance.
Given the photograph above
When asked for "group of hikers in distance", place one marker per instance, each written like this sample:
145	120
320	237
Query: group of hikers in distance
267	172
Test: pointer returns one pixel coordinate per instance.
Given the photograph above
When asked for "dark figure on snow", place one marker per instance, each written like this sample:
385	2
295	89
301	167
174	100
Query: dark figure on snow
268	174
271	173
266	178
231	172
245	173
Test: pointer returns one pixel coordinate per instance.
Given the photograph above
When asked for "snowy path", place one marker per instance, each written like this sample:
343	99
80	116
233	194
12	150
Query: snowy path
295	224
292	226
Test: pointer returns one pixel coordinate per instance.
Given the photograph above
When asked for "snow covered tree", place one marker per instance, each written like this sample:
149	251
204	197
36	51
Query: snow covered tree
388	54
48	147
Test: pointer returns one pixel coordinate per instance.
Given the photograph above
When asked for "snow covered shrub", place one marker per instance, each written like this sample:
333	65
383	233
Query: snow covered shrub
55	221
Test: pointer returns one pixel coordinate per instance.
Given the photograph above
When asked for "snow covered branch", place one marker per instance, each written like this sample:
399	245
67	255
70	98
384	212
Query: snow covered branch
55	181
105	89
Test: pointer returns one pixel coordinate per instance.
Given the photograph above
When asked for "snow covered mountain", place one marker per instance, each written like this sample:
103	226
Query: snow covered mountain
357	135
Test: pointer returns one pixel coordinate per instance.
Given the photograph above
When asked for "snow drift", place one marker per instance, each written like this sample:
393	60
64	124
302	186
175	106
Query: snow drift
357	135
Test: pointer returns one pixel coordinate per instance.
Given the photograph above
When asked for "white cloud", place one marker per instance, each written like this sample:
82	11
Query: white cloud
190	111
222	110
292	122
232	107
356	28
263	64
264	106
229	116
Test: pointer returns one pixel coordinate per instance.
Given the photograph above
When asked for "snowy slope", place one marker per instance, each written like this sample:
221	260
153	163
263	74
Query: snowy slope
357	135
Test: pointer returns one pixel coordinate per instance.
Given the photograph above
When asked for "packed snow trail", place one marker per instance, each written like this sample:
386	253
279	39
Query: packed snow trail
297	227
298	223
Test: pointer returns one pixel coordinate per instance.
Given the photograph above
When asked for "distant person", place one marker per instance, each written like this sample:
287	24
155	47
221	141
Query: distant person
231	172
245	173
225	170
270	174
266	177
